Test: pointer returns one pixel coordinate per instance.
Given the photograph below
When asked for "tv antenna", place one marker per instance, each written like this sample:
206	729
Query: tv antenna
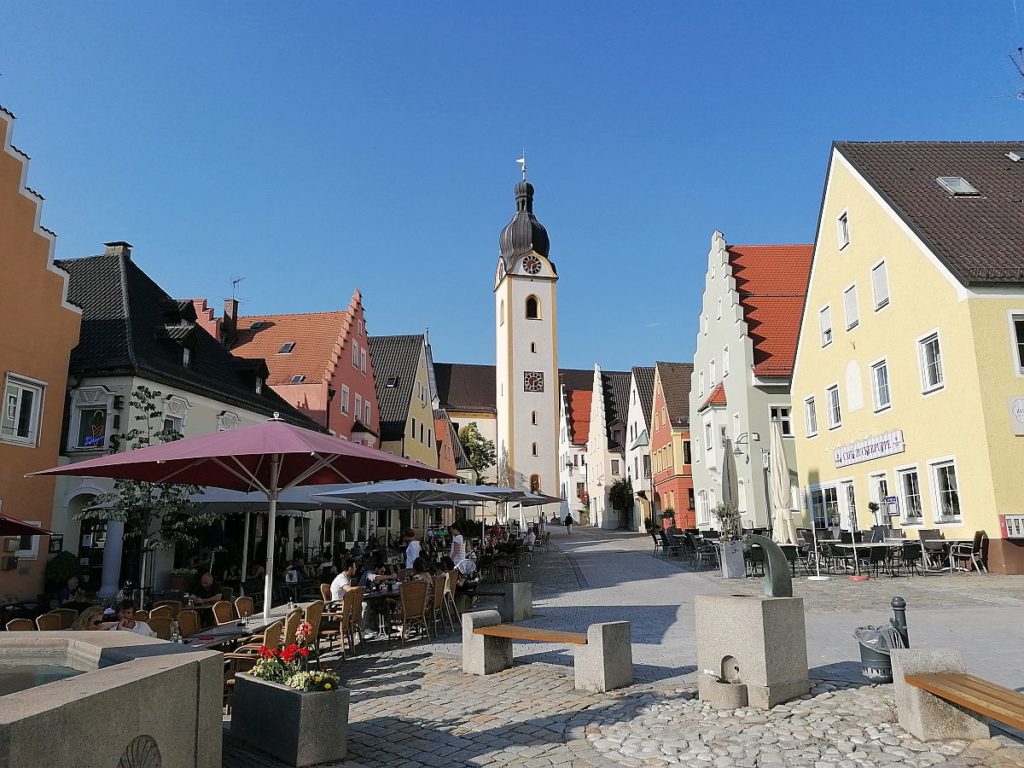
1018	64
234	286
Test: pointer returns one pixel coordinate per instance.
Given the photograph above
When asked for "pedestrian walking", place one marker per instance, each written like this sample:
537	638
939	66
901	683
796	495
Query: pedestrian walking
568	523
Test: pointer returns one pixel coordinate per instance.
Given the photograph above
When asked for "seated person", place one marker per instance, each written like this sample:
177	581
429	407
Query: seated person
233	573
295	572
530	539
345	580
209	591
357	550
256	571
91	620
70	592
126	620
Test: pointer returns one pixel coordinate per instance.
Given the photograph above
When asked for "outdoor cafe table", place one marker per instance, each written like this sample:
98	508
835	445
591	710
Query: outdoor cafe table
227	633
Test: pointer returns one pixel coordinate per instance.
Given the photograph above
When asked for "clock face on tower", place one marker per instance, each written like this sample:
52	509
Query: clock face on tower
533	381
532	265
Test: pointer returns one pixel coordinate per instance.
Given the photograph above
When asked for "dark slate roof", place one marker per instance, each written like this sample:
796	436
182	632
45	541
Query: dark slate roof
675	384
524	233
131	326
574	378
398	357
979	239
464	387
644	376
616	397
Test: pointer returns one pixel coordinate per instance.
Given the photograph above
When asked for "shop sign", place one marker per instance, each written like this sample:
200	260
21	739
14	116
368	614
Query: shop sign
872	448
1017	415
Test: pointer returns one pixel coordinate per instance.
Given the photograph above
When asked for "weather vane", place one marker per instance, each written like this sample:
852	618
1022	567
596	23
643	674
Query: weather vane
522	162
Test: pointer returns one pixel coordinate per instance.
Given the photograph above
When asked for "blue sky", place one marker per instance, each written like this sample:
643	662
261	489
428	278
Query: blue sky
318	147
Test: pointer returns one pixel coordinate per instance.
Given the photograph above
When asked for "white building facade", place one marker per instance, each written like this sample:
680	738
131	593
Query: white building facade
638	443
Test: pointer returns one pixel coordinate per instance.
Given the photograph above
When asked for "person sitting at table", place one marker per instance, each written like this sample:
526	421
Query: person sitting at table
70	592
295	572
233	573
209	591
357	550
412	547
373	574
91	620
345	580
530	539
256	571
126	620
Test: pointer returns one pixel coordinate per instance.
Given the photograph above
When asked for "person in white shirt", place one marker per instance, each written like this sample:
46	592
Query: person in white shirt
412	547
344	581
458	549
126	621
529	539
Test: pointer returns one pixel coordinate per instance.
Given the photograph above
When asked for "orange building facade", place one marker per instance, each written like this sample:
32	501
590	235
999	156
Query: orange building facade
40	328
672	474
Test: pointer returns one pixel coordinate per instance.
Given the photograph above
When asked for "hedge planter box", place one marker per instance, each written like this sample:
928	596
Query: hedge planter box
733	566
298	727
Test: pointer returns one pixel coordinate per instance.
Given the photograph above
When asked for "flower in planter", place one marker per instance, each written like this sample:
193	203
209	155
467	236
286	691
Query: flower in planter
304	633
326	680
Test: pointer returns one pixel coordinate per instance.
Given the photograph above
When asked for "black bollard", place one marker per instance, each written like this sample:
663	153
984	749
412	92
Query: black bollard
899	620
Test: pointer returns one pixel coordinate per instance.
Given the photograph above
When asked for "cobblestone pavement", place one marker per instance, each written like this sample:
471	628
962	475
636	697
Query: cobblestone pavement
414	707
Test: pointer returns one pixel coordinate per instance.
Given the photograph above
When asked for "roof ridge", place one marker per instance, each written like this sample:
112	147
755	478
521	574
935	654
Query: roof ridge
294	314
126	304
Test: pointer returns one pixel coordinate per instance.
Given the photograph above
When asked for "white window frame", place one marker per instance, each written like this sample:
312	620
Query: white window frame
832	422
1016	345
810	417
883	303
825	315
85	398
725	361
355	353
876	403
926	388
843	229
362	360
712	372
785	420
719	309
345	393
367	413
38	388
700	383
934	465
357	407
851	322
901	494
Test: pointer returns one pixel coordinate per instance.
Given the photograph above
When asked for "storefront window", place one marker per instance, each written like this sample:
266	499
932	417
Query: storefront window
911	488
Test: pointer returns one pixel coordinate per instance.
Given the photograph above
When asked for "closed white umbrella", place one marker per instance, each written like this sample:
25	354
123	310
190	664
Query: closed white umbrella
783	530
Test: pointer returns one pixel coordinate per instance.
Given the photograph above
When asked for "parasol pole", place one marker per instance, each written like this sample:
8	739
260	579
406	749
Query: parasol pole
817	554
272	492
245	554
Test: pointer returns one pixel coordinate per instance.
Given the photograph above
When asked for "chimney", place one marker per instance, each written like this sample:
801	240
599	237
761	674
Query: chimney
118	248
229	323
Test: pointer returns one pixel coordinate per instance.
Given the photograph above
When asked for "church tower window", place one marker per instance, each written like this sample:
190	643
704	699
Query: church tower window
532	308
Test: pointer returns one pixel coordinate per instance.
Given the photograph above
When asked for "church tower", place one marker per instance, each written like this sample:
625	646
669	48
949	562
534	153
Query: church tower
526	325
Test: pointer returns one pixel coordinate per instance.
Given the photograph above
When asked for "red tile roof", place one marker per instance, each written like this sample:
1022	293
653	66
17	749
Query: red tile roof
716	398
316	336
579	415
772	284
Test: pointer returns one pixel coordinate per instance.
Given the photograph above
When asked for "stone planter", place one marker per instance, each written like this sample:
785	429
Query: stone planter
180	582
300	728
733	566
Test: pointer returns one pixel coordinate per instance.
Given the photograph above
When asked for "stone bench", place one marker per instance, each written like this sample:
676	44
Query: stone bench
937	699
602	656
516	602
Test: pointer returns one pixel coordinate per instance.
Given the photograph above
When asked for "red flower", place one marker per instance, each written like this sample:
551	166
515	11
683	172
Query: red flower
265	653
304	652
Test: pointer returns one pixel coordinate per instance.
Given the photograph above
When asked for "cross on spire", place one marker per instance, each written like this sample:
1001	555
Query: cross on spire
522	162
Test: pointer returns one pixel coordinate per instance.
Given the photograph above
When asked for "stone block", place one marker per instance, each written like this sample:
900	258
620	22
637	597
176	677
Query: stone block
756	640
606	661
483	655
925	716
301	728
517	603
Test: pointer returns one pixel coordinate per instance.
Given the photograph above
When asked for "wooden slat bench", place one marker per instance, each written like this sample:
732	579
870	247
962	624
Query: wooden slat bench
1001	704
602	656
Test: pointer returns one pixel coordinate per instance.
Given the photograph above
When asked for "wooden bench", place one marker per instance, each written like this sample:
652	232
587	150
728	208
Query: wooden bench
602	656
972	693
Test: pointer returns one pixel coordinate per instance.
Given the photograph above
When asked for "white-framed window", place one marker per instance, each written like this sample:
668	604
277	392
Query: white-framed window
825	324
725	362
91	415
175	414
850	307
359	405
615	466
344	398
703	509
709	433
843	229
227	420
355	353
362	361
930	360
700	384
909	494
1017	341
366	414
880	285
23	407
835	411
784	416
712	372
880	395
946	490
810	417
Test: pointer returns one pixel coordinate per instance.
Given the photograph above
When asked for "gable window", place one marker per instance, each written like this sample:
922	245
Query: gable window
712	374
880	285
615	466
810	417
700	384
21	415
359	405
534	451
366	414
1018	342
850	307
843	229
719	309
533	346
725	362
930	360
430	438
910	488
421	435
532	308
825	324
782	415
533	417
286	348
835	413
880	385
391	383
362	361
344	398
413	427
355	353
947	494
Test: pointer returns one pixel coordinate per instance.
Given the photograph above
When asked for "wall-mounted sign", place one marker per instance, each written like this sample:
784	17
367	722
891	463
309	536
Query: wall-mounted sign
1017	415
871	448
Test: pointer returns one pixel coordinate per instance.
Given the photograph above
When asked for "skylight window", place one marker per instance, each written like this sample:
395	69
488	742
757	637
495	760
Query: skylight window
391	383
259	325
1016	155
957	186
286	348
297	379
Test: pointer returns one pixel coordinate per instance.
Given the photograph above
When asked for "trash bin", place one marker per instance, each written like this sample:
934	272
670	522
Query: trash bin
875	644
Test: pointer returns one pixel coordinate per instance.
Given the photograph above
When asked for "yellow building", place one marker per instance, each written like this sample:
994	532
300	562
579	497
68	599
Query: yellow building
909	382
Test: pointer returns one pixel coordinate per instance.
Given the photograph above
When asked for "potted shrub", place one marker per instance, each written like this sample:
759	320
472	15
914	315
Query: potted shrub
296	714
731	548
181	579
668	519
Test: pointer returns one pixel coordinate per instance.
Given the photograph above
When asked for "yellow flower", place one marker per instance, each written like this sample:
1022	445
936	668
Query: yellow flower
327	686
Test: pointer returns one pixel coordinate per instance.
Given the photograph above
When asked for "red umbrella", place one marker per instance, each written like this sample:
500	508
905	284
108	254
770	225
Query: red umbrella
9	526
268	457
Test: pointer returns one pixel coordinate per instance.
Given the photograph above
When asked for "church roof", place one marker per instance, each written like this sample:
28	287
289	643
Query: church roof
524	234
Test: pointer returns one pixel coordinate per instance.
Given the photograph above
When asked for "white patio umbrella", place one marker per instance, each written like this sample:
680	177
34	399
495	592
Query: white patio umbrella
728	472
783	531
497	493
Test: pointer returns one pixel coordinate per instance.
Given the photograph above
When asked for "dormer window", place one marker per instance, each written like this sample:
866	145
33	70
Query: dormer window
391	383
186	357
286	348
259	385
297	379
957	186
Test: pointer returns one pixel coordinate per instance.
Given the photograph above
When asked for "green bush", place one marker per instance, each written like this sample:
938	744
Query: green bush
62	567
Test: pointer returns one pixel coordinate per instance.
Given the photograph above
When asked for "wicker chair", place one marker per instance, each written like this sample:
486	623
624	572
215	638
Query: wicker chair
48	622
291	623
244	607
222	612
451	608
67	616
314	613
271	639
188	623
164	611
413	604
161	625
142	616
437	608
174	606
325	592
352	615
20	625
